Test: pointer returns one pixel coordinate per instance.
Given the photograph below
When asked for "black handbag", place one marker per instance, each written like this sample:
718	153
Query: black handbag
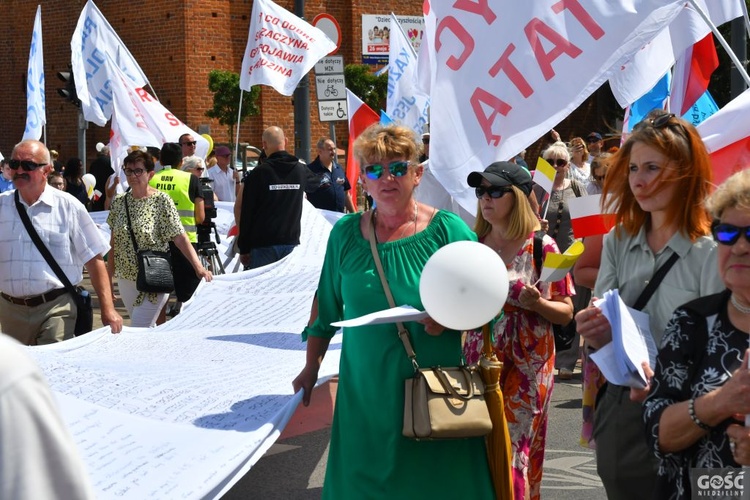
154	267
82	298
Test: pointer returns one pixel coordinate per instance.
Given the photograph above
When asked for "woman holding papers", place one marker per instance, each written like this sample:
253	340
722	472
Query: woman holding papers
656	185
368	457
524	340
701	378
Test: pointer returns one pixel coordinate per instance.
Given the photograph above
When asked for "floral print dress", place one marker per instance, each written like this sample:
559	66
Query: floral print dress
525	344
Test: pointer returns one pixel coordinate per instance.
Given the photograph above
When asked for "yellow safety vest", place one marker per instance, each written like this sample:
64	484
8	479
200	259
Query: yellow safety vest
176	184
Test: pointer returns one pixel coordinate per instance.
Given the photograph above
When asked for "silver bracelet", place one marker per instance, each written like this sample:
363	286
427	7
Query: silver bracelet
694	417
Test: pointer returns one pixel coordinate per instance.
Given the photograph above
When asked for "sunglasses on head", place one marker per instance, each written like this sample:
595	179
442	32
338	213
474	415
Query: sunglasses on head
26	165
396	168
558	163
190	143
728	234
493	191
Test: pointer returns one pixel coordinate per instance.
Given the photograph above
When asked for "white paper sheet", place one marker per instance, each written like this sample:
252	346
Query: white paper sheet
183	410
632	343
393	315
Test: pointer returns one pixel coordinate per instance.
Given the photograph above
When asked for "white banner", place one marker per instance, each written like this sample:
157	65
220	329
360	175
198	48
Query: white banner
281	48
93	40
404	103
491	100
185	409
141	120
36	109
648	65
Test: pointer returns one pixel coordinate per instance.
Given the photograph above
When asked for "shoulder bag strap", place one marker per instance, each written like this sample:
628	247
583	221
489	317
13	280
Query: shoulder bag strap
653	284
43	248
403	333
130	225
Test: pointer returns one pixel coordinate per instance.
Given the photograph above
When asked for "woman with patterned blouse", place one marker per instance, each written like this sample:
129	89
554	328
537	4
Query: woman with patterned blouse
155	223
702	379
524	341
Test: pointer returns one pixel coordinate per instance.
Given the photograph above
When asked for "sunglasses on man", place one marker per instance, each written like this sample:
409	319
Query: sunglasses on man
396	168
729	234
26	165
189	143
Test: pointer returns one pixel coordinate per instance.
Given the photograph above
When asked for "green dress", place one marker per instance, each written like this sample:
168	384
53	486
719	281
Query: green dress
368	456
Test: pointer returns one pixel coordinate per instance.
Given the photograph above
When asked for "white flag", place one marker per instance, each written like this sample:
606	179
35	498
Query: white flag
93	41
281	48
405	104
491	100
140	120
648	65
36	109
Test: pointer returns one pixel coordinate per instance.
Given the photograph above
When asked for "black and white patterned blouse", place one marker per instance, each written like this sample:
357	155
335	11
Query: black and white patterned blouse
700	350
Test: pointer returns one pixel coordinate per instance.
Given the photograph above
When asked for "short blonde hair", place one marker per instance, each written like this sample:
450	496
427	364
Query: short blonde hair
558	149
732	193
522	220
378	142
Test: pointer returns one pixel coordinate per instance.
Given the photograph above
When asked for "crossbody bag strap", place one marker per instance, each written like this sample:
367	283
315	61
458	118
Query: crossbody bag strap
653	284
130	225
42	247
403	333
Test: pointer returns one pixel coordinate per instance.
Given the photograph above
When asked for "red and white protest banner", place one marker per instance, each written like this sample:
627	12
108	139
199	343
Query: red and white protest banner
726	135
491	100
281	48
587	218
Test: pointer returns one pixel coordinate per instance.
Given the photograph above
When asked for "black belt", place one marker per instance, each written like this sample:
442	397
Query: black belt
36	300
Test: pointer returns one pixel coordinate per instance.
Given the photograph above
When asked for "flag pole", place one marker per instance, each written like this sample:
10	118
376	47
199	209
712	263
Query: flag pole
237	136
740	68
745	15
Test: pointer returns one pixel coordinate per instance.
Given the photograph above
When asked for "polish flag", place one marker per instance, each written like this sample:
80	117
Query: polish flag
726	135
692	73
544	174
557	265
587	218
361	116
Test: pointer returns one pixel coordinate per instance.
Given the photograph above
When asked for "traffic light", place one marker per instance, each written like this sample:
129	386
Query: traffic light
69	92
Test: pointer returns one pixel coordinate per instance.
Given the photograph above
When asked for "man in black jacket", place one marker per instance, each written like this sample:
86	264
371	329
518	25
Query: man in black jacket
271	204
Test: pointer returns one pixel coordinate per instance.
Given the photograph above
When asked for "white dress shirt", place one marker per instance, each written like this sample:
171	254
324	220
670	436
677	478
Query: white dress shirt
224	183
65	227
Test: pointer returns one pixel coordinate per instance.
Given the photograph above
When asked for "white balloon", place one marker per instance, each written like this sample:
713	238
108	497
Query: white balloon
464	285
89	181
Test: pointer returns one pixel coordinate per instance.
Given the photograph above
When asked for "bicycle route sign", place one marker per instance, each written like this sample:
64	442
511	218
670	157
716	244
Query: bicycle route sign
330	88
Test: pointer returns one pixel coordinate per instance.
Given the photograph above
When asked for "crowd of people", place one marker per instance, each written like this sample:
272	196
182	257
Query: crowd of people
679	251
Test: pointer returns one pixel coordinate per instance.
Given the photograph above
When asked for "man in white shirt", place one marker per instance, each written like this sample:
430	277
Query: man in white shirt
225	178
35	307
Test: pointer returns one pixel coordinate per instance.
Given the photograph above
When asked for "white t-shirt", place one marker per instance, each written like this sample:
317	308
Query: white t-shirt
38	457
224	183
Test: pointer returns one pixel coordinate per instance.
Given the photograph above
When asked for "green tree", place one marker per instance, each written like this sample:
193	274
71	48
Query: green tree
226	88
365	85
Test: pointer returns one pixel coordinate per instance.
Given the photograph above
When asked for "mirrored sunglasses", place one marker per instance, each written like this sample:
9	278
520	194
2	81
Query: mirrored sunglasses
728	234
396	168
26	165
493	191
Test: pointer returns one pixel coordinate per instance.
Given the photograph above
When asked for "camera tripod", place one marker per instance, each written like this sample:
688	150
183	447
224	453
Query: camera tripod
206	249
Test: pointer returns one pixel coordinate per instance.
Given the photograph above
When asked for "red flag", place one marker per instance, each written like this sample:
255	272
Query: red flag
361	116
587	218
692	72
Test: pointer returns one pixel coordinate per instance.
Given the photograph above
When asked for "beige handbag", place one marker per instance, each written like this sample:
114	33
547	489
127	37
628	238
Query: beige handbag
439	403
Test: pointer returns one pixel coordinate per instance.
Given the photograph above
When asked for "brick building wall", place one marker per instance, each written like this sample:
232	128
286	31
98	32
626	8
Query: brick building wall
177	43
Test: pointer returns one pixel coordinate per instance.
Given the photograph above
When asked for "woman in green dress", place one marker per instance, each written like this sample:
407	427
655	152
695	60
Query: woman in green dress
368	456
